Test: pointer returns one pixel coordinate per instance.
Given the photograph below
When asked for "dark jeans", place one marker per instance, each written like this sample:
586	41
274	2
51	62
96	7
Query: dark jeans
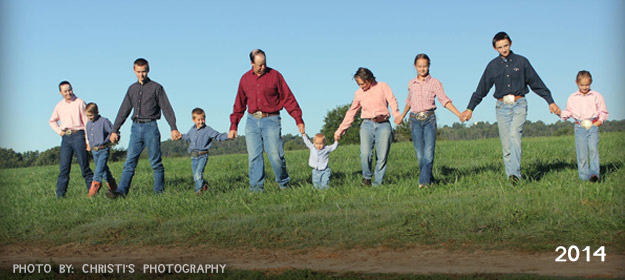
70	145
143	135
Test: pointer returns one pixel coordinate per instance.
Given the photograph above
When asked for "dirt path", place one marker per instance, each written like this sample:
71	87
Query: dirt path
421	260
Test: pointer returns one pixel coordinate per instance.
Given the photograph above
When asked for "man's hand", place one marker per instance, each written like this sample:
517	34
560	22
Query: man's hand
398	121
88	147
175	135
232	134
554	109
114	138
466	115
302	128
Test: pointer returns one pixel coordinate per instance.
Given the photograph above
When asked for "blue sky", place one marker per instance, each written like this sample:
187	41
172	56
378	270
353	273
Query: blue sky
198	51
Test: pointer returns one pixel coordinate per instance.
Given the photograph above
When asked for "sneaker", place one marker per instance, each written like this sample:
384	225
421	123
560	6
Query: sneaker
366	182
95	187
204	187
285	187
594	178
513	179
112	195
112	185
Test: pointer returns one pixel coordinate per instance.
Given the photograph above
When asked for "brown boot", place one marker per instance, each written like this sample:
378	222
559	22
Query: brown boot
112	185
95	187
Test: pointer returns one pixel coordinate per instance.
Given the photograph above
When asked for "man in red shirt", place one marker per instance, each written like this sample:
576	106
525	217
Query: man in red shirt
264	92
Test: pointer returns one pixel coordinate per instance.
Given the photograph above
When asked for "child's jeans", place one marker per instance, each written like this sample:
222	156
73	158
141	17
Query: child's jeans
321	178
587	146
100	158
197	166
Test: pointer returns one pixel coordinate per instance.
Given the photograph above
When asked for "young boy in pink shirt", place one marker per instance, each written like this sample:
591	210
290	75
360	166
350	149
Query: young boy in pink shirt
588	109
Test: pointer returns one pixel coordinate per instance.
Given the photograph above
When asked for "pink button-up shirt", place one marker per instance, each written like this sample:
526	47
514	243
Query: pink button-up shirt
585	106
71	114
373	102
421	94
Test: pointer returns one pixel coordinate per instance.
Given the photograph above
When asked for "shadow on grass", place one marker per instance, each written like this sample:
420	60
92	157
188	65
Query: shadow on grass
537	170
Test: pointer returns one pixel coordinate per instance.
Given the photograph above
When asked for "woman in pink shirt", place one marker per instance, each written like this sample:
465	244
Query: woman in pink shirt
374	98
588	109
421	93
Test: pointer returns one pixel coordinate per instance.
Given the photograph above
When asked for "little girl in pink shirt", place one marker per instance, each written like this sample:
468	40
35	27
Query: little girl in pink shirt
588	109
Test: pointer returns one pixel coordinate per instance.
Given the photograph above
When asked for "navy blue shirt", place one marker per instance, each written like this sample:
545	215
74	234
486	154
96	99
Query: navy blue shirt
511	75
98	131
201	139
147	100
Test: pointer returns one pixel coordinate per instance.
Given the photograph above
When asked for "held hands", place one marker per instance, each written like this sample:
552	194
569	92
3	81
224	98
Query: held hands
400	119
466	115
554	109
114	138
232	134
175	135
302	128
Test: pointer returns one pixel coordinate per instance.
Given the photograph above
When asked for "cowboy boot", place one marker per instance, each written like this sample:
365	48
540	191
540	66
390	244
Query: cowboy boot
95	187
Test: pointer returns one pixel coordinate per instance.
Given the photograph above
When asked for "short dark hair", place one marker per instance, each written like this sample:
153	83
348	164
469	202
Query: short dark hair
64	83
197	111
421	56
256	52
583	74
92	108
364	74
142	62
501	36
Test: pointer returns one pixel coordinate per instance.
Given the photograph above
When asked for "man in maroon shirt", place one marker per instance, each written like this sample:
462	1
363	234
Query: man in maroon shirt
264	92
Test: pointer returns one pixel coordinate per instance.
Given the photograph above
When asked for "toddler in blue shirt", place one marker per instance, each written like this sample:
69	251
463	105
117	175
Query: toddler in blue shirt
98	131
318	160
201	138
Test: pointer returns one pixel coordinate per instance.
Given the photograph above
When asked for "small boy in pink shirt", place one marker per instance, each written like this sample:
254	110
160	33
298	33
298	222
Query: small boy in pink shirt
588	109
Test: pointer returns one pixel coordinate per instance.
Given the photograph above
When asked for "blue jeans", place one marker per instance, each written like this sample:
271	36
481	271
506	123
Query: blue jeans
143	135
321	178
197	165
100	158
378	134
70	145
265	133
424	141
510	120
587	146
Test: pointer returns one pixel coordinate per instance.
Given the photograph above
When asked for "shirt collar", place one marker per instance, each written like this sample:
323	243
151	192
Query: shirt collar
428	78
507	59
591	92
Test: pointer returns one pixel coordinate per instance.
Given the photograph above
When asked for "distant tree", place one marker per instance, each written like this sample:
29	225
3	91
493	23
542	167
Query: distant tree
332	121
9	158
402	132
49	157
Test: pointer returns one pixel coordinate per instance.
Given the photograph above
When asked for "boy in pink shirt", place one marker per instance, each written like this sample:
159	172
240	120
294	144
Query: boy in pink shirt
588	109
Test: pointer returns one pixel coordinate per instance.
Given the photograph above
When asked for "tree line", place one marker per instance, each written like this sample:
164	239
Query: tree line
332	120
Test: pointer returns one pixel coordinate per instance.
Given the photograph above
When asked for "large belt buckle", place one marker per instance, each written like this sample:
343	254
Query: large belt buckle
258	115
586	124
67	132
421	116
509	99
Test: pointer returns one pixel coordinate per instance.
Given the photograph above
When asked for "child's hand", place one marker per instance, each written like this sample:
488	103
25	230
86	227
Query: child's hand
597	123
88	147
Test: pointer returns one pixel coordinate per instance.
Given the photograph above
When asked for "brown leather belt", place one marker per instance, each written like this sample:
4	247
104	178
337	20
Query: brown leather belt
260	115
68	131
516	97
99	148
198	153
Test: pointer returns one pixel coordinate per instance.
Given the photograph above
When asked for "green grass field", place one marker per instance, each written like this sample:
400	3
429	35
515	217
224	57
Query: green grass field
471	207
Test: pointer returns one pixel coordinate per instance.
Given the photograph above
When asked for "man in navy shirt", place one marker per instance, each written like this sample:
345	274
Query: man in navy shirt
511	74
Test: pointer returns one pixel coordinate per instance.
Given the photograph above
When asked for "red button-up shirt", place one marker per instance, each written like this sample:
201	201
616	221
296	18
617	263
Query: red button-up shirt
267	93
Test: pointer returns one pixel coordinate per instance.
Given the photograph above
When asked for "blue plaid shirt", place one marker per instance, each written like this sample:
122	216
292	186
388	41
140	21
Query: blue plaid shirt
202	138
